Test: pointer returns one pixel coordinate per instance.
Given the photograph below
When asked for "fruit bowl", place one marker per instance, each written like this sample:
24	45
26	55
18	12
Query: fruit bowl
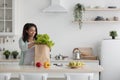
75	67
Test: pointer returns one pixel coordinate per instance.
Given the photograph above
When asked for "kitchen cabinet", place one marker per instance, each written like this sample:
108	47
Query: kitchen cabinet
110	50
54	76
54	72
10	62
63	63
6	17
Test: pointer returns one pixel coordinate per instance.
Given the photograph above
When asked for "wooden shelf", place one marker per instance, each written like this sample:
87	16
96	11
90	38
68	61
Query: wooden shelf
102	9
98	22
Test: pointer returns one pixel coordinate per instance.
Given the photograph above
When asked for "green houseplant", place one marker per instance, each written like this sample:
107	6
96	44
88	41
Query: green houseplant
44	39
113	34
78	13
7	54
14	54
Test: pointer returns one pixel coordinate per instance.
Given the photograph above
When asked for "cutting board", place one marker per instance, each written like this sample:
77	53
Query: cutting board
86	51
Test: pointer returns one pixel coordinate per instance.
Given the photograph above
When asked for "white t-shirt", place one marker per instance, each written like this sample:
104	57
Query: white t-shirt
29	56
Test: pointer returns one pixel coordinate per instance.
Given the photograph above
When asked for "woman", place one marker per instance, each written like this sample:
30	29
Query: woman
26	44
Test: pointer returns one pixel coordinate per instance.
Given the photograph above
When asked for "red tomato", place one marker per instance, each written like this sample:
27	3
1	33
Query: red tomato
38	64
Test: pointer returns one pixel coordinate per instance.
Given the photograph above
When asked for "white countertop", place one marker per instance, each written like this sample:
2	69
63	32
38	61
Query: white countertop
53	69
9	60
83	60
53	60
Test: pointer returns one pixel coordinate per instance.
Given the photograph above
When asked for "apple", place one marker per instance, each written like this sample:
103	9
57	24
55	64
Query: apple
38	64
46	64
72	63
79	64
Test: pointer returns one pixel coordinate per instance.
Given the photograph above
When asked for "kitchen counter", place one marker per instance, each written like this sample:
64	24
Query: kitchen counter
53	60
53	73
9	60
83	60
53	69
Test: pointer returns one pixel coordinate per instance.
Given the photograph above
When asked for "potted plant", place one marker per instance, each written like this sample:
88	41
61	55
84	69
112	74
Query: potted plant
42	48
7	54
78	13
14	54
113	34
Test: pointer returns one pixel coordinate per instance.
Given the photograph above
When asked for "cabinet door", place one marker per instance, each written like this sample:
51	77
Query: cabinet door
6	17
1	16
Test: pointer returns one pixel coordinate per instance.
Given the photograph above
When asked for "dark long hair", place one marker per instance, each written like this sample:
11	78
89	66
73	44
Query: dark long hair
27	26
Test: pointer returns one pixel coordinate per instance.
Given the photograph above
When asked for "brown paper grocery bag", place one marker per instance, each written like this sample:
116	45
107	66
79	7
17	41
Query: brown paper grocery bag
42	53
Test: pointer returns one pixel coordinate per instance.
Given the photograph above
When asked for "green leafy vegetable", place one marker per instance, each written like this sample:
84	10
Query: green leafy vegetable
44	39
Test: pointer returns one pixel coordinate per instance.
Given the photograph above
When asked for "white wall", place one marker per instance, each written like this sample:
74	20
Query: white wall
59	26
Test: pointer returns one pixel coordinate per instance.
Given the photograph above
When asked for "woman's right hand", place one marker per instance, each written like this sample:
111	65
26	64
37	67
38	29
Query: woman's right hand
31	44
